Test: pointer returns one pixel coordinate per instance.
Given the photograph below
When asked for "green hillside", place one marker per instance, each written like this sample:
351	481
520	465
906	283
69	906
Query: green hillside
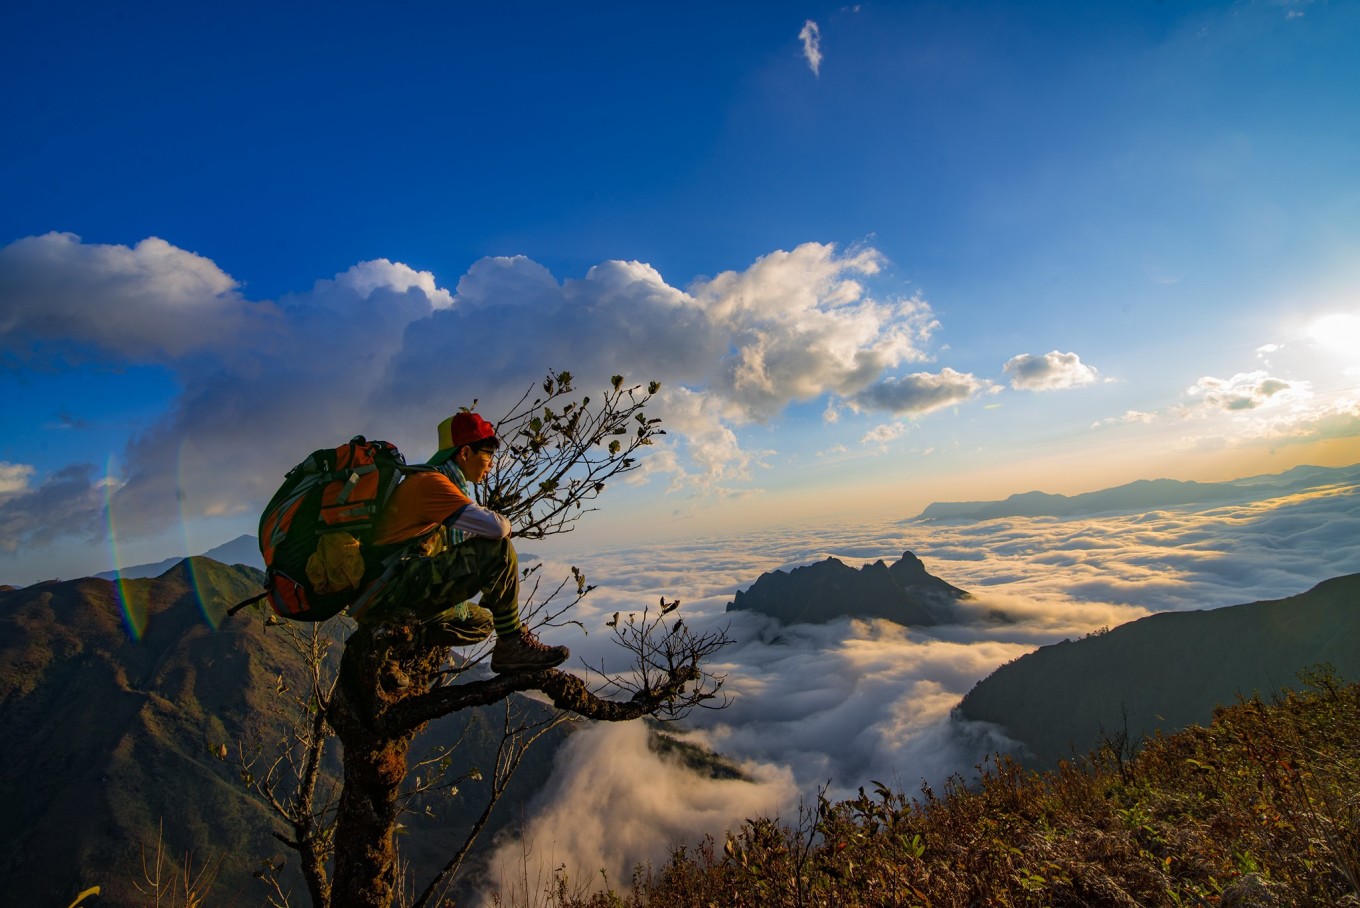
1166	671
109	738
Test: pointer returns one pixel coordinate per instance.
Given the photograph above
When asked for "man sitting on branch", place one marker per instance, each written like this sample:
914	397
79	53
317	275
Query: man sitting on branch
455	549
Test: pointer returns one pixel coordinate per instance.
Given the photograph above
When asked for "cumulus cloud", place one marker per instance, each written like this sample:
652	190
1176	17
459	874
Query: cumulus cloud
920	392
384	349
1053	371
1300	423
1245	391
69	501
811	36
857	700
153	302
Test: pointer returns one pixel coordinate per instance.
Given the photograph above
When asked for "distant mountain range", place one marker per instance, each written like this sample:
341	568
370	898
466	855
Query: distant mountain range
1143	495
830	589
1167	671
243	549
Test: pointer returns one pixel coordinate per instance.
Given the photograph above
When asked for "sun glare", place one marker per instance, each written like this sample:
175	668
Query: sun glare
1339	332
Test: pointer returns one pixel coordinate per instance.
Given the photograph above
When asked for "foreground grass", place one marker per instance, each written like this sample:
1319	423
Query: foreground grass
1261	808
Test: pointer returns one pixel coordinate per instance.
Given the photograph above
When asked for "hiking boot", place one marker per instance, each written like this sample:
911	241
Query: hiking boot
523	652
392	677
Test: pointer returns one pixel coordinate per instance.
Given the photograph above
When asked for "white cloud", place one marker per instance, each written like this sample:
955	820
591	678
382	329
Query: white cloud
69	501
1297	425
1246	391
380	275
882	434
715	457
611	799
1051	372
14	478
62	299
1128	416
383	349
811	36
920	392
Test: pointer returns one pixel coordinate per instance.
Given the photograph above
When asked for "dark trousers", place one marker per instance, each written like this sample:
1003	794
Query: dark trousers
437	588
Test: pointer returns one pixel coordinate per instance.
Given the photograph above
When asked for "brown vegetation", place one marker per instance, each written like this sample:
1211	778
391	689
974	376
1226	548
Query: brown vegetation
1262	807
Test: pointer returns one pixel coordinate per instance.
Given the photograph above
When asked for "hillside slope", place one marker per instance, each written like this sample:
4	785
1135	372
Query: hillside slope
1167	671
108	736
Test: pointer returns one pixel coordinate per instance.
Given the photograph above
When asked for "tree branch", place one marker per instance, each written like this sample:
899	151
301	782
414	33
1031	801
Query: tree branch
566	691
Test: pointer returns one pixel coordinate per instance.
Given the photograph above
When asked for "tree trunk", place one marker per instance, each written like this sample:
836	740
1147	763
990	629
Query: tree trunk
365	856
375	767
376	728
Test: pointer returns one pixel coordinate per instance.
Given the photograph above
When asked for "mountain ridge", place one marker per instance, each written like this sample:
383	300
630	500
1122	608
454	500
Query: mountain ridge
1166	671
244	549
1141	494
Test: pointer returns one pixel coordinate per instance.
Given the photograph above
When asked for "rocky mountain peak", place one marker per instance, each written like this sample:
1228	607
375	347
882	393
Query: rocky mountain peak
818	593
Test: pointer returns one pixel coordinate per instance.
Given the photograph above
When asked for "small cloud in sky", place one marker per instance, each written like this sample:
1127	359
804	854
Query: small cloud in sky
811	36
14	478
833	451
1245	391
1051	372
66	420
920	392
881	435
1126	418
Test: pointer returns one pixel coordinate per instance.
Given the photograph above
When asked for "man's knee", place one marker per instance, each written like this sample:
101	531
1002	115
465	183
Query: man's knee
486	543
488	550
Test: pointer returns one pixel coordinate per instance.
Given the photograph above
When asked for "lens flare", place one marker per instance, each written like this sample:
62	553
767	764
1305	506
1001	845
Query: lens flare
211	613
131	597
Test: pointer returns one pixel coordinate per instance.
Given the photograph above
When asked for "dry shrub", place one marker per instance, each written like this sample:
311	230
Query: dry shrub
1265	799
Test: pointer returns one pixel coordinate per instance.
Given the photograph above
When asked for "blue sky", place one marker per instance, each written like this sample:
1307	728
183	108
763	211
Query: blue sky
911	252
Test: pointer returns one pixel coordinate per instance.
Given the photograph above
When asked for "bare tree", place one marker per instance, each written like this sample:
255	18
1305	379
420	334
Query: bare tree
560	453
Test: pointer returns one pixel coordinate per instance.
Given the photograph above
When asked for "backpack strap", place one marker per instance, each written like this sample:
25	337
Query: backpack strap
240	605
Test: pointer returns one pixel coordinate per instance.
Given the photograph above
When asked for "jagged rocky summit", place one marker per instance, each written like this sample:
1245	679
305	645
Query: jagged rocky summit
830	589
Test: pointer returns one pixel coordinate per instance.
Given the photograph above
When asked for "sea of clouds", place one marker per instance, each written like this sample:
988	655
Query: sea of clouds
853	701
